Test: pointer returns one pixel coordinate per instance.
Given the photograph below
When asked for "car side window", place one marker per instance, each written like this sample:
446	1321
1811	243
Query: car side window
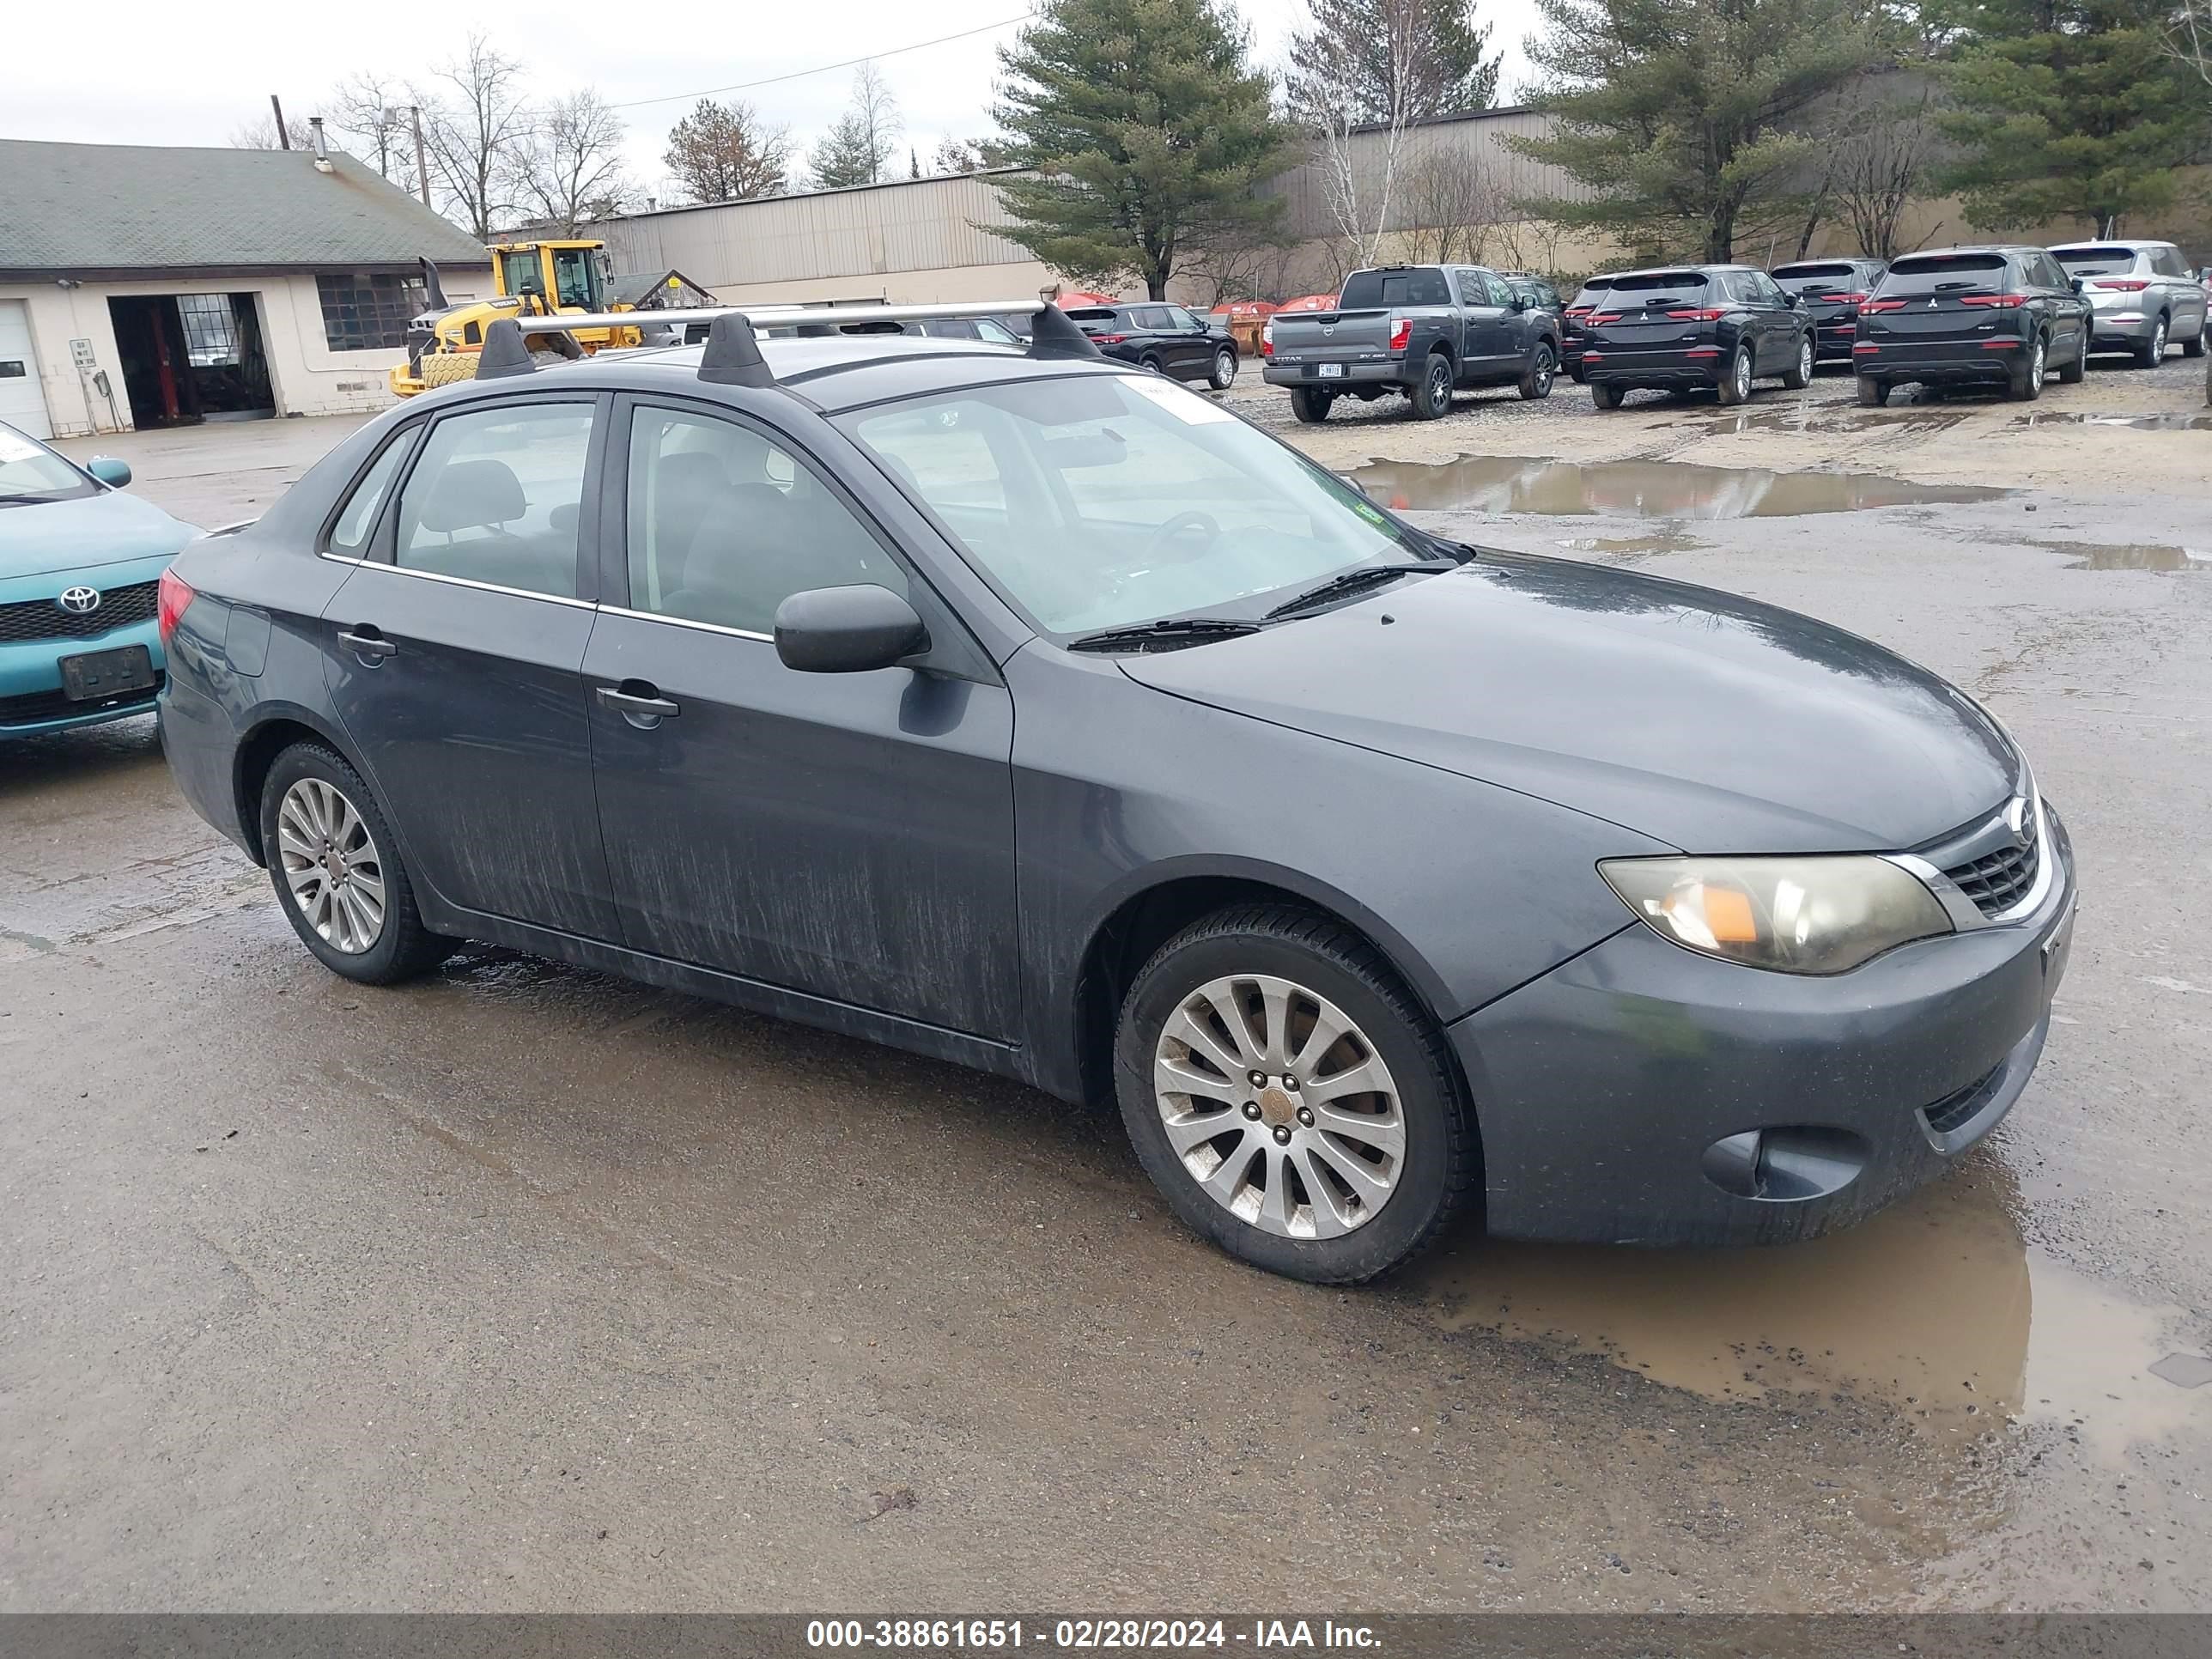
496	497
724	524
356	521
1151	318
1494	291
1183	318
2167	262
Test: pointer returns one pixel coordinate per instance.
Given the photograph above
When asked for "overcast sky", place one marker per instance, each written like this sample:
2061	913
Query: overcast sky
152	74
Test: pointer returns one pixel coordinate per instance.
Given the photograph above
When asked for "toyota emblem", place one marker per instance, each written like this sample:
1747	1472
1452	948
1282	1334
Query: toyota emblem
79	601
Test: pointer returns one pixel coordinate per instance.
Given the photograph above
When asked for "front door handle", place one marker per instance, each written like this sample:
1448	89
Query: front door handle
640	702
365	642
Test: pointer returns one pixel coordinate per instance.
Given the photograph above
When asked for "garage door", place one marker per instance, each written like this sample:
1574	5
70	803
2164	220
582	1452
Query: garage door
23	402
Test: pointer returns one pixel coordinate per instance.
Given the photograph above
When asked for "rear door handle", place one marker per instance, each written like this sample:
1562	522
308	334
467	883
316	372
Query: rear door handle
365	642
640	702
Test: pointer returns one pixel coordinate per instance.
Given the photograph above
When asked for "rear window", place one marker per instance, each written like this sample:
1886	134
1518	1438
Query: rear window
1791	273
1829	278
1660	282
1091	314
2094	261
1365	290
1945	273
1592	291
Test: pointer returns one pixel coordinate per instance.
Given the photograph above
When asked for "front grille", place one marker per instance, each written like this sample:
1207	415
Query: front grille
40	706
1954	1108
1998	881
42	619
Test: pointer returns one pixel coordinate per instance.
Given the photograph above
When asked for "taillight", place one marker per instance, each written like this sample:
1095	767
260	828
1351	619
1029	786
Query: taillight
1882	305
1845	299
1578	311
1703	315
1108	339
1994	301
169	603
1401	333
1599	318
2120	284
1268	337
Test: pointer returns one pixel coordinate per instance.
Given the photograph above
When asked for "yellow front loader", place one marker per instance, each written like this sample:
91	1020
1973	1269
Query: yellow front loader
530	279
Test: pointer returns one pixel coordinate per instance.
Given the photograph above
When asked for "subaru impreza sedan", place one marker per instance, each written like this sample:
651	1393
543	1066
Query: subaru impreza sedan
1039	714
78	564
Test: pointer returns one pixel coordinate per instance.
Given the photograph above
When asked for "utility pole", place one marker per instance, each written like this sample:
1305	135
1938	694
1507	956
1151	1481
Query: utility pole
284	138
422	167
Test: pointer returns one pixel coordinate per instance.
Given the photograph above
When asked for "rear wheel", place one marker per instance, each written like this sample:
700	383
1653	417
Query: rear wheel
2195	348
1604	396
1433	395
1289	1099
1151	365
338	874
2077	371
1873	393
1537	373
1735	379
2151	352
1224	370
1311	406
1801	372
2024	380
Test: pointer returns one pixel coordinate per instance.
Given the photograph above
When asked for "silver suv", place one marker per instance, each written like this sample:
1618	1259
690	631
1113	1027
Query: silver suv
2144	294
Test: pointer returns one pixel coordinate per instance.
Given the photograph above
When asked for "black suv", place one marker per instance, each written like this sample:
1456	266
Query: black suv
1588	298
1163	338
1686	328
1831	291
1959	316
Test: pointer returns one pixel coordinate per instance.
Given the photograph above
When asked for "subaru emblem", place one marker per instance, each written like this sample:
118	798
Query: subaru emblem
79	601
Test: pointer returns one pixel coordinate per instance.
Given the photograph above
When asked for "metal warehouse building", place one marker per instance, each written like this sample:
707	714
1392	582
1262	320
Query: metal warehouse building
143	286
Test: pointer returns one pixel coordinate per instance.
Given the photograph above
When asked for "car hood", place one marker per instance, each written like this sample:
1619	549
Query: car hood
63	537
1713	723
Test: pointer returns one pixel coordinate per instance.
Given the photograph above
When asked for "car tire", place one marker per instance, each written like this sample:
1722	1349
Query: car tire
1151	365
1873	393
1288	1191
1735	379
2024	379
365	927
2077	371
2150	353
1311	407
1432	397
1604	396
1800	374
1538	372
1223	374
2195	348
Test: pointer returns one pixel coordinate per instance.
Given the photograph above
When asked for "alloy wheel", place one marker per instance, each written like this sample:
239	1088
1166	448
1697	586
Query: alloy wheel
1743	377
1279	1106
2036	364
1805	360
2158	343
331	865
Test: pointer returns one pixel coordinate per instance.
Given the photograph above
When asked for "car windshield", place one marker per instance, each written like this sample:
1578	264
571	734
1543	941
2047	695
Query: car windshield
2095	261
29	472
1098	501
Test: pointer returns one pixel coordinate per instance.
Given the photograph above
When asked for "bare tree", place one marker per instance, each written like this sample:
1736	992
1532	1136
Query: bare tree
569	169
368	118
858	146
1319	89
260	133
1453	203
475	129
1880	164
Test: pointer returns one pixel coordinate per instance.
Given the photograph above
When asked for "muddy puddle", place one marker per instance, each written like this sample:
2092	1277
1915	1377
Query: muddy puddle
1629	549
2132	555
1934	1307
1830	418
1643	490
2167	422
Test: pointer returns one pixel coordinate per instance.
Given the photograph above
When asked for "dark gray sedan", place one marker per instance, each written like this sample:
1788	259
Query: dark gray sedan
1039	714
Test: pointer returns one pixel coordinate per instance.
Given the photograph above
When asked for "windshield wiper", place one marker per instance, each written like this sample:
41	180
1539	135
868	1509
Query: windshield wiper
1167	633
1351	582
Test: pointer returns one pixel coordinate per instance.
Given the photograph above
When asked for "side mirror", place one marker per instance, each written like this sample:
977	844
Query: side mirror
110	471
1521	302
1792	300
846	630
2078	286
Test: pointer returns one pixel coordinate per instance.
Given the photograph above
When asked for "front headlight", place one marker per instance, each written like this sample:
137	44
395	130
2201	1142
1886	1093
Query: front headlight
1821	914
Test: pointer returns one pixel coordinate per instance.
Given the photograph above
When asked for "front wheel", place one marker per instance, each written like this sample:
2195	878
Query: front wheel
2195	346
338	874
1311	406
2024	380
1289	1099
1801	372
1536	376
1735	379
2076	370
1432	397
1223	374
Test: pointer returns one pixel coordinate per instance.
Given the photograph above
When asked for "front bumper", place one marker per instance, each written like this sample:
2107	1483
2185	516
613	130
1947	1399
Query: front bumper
31	700
1603	1087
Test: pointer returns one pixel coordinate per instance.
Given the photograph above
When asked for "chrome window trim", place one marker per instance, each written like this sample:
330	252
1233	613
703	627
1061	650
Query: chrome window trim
462	582
686	622
1965	915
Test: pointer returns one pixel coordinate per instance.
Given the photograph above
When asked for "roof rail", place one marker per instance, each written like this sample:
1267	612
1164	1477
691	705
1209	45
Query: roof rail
733	354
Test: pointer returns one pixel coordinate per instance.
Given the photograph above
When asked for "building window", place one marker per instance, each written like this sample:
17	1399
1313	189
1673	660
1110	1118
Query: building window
367	314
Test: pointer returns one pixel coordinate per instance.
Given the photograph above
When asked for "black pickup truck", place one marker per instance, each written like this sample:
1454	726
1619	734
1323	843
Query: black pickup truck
1426	331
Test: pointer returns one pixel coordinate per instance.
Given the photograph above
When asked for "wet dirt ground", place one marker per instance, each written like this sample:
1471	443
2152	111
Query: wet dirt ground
524	1288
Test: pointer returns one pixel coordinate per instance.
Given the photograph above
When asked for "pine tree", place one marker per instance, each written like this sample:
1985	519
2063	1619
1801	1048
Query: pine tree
723	153
2068	110
1684	120
1148	130
1350	45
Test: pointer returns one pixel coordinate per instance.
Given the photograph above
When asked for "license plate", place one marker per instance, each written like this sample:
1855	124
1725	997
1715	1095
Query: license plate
1330	371
106	673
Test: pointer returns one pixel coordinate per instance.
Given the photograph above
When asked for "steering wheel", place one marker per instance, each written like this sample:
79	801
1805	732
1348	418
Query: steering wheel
1179	527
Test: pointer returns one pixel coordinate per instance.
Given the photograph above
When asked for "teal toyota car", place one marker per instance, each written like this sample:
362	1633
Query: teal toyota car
81	565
